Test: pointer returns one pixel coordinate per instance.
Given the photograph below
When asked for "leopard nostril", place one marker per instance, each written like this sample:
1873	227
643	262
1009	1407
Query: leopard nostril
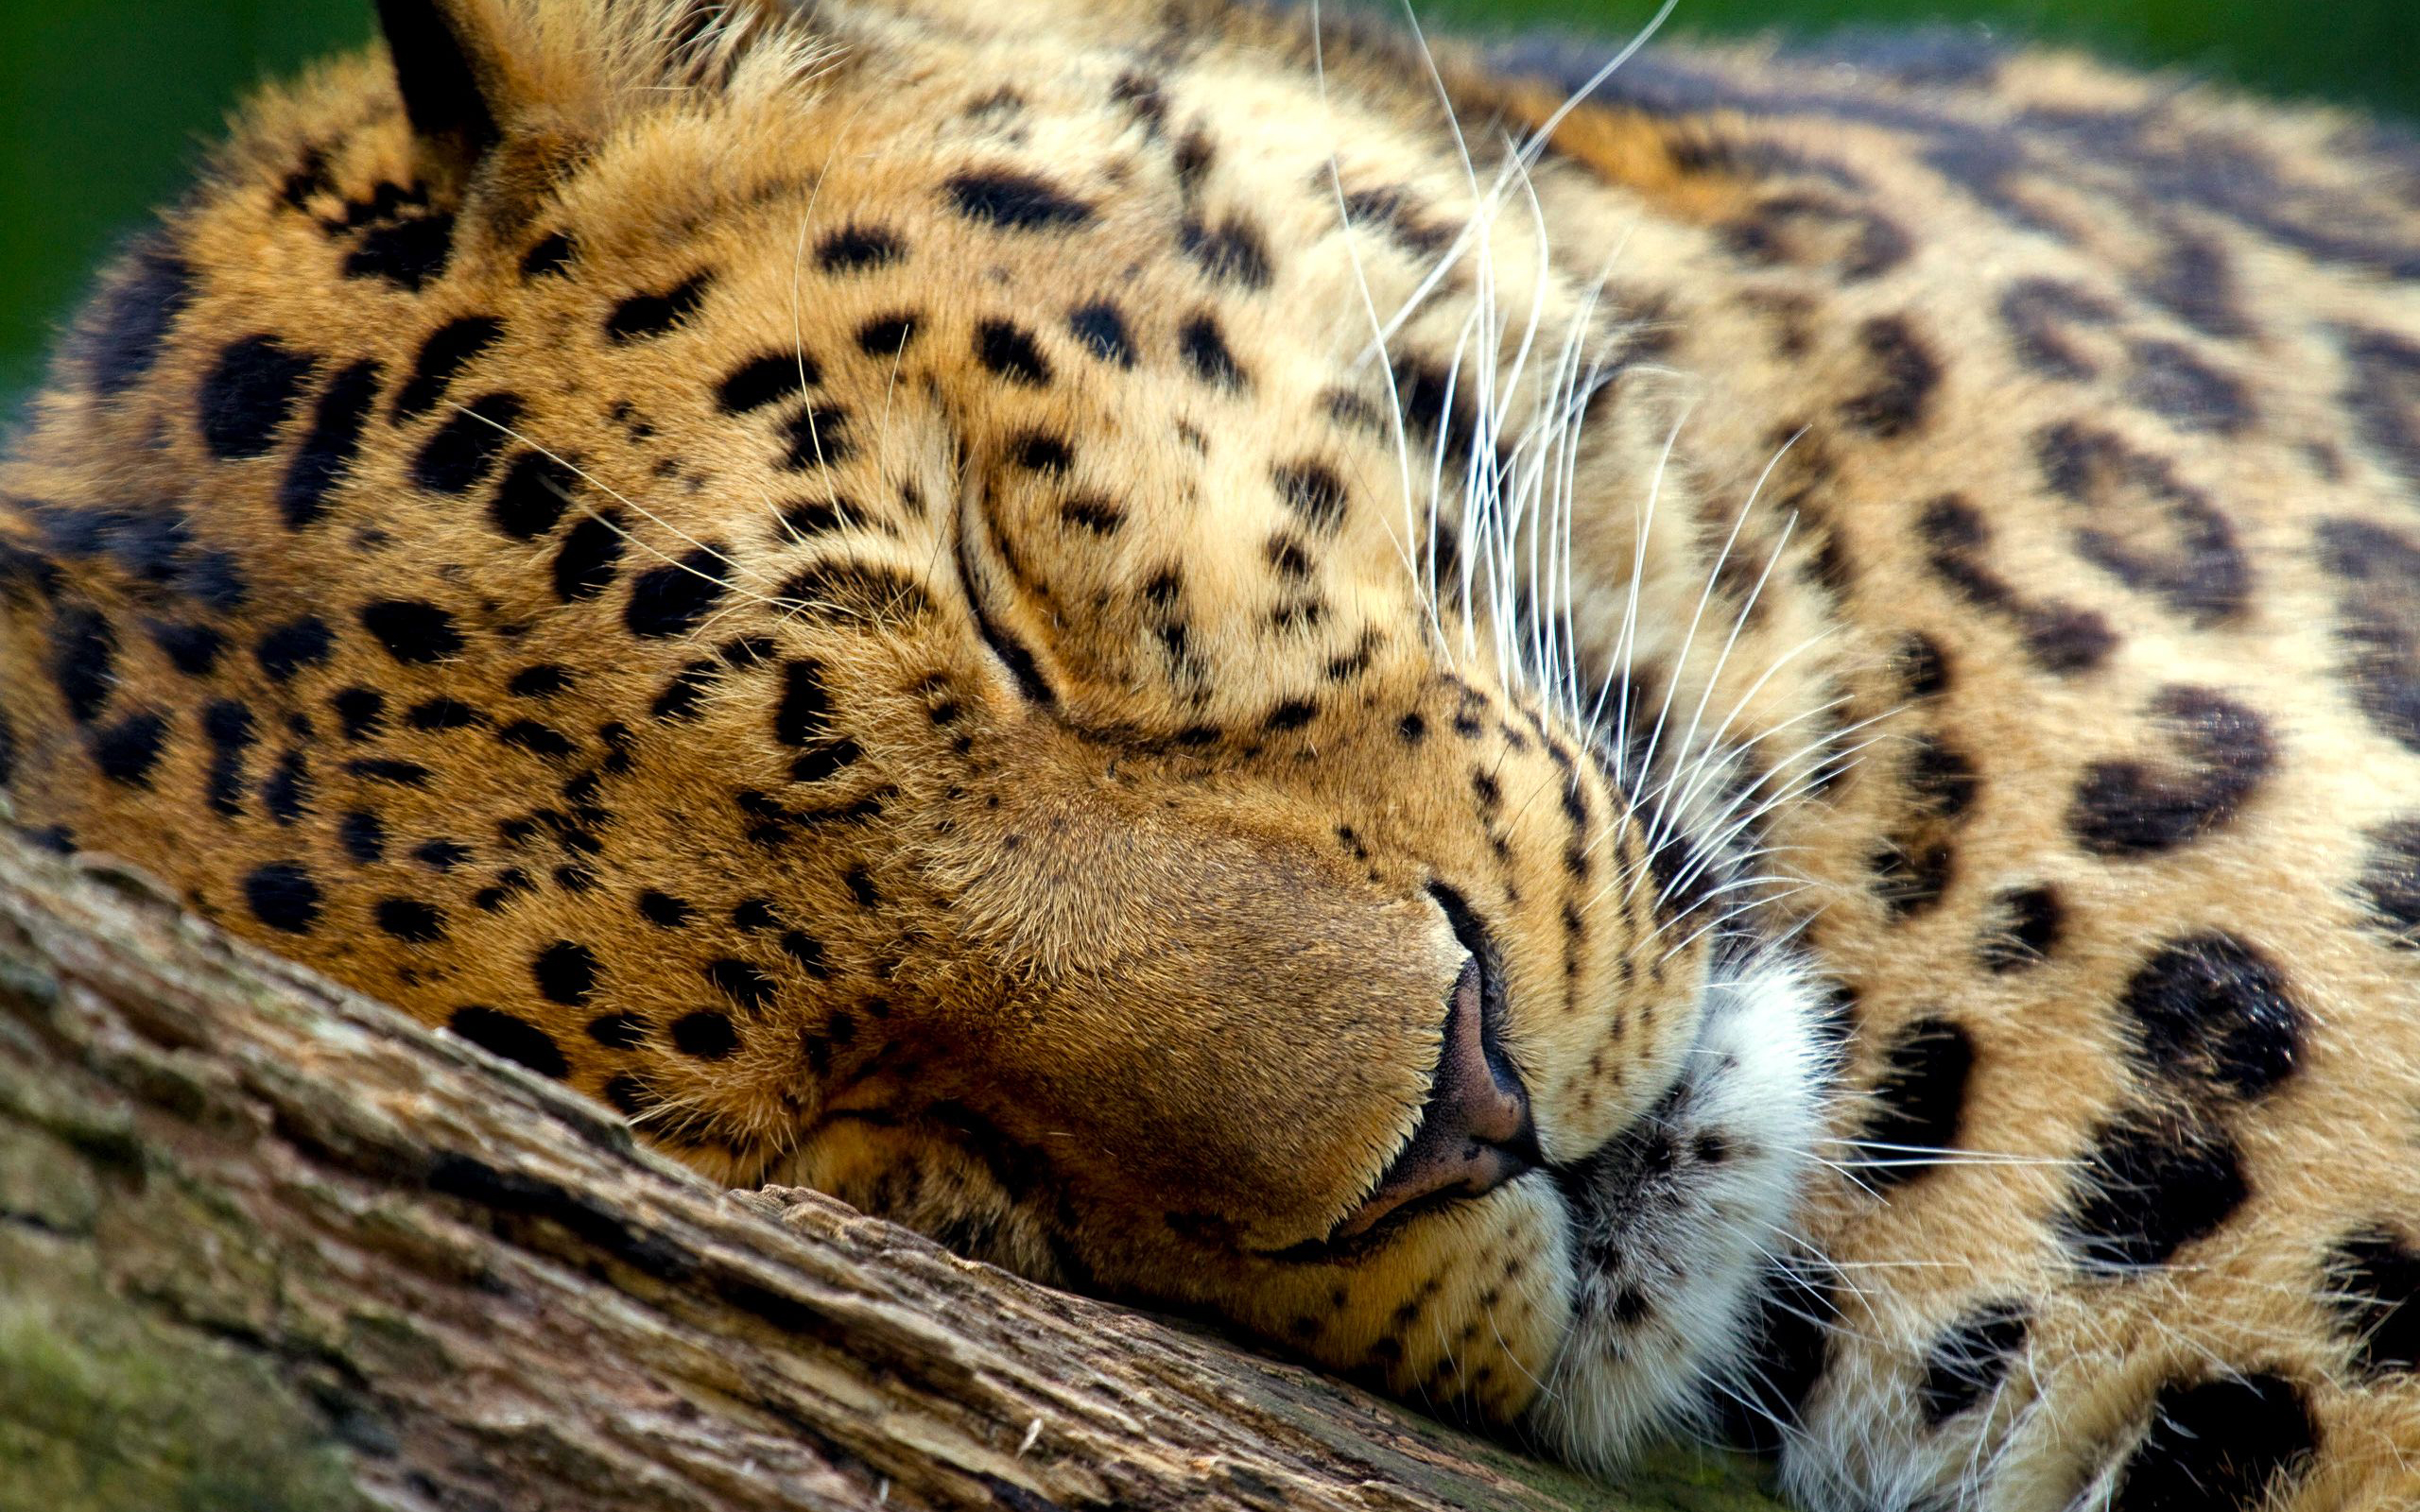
1475	1132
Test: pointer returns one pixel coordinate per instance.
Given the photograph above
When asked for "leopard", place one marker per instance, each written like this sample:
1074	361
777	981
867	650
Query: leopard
1640	740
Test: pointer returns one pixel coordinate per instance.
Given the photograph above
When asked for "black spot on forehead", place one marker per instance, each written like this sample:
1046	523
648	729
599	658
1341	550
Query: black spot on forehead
282	896
589	555
2151	1184
325	455
1041	452
446	351
859	249
2129	807
1102	330
1006	349
2212	1012
676	598
1919	1102
642	317
134	317
765	380
464	449
629	1095
248	394
1016	201
413	631
360	712
2373	1284
406	252
1969	1361
2221	1445
1292	714
510	1037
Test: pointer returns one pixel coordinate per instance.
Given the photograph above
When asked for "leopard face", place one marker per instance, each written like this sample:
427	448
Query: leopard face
1721	743
899	658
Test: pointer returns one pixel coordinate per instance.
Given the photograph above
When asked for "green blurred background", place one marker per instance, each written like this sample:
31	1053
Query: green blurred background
102	102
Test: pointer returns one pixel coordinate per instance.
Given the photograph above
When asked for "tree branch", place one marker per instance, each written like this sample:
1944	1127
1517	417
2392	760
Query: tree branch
265	1245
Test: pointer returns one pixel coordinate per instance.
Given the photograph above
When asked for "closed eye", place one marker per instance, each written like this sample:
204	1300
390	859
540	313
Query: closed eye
1013	654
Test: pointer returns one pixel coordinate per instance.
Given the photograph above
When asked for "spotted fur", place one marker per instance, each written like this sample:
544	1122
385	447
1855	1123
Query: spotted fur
1730	744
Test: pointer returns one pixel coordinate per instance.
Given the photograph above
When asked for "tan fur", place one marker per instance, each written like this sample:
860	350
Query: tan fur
1139	987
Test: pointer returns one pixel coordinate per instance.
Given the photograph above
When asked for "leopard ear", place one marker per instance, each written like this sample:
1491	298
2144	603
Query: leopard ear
449	58
471	71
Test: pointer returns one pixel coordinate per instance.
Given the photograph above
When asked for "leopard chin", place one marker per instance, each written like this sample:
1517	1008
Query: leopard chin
1682	1229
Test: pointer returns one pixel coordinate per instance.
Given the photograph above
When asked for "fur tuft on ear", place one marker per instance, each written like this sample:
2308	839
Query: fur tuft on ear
471	70
446	80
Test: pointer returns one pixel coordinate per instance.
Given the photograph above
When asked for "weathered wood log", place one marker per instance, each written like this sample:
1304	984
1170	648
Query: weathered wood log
265	1245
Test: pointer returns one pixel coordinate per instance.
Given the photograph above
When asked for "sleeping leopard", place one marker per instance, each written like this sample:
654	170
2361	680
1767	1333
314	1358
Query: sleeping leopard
1638	740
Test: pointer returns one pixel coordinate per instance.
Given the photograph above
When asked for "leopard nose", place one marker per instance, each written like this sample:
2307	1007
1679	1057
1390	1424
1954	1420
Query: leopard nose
1475	1132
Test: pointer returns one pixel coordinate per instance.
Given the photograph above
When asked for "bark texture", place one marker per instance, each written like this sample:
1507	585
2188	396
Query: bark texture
266	1246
